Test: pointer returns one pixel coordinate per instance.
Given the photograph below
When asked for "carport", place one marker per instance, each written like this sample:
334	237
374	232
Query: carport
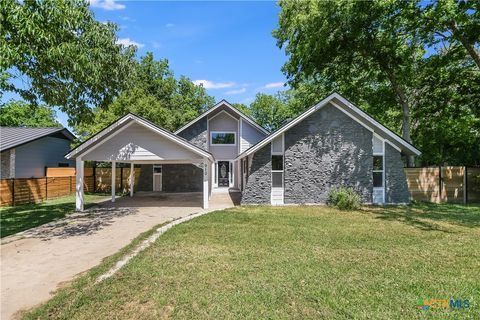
135	140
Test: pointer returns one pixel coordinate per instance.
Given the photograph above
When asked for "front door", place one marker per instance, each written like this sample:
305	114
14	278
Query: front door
223	173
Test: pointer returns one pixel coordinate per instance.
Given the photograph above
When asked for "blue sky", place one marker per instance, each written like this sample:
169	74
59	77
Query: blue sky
226	45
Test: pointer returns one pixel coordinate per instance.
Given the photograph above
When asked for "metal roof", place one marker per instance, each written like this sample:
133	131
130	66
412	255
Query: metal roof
11	137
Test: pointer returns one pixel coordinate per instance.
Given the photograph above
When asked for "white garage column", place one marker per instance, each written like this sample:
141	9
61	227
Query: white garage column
206	170
79	195
114	169
132	179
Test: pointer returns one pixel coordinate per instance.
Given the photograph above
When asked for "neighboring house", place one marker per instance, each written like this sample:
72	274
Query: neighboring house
331	144
25	152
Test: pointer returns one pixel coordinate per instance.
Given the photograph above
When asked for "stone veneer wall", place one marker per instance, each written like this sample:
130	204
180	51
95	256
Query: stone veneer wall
395	180
145	180
259	181
7	159
325	150
196	134
182	178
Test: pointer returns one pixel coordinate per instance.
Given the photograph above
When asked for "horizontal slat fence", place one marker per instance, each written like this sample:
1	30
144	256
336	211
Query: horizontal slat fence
444	184
32	190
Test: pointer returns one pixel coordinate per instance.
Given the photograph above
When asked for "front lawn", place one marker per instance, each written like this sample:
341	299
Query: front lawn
292	262
22	217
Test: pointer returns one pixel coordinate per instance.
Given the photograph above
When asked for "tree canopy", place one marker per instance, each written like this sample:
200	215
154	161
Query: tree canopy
386	56
156	95
56	53
19	113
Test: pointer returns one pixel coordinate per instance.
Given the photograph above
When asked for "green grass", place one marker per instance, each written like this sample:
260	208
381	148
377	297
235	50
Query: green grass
292	263
22	217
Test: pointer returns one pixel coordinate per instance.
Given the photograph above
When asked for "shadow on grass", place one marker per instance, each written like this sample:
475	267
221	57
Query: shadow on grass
426	216
23	217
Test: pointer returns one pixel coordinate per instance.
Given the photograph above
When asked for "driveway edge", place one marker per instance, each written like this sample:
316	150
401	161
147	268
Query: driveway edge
146	243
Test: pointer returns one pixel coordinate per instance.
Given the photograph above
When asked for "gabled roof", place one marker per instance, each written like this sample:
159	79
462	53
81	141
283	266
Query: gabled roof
229	106
125	121
351	110
11	137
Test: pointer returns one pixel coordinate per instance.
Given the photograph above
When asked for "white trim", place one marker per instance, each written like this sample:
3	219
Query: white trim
223	111
221	144
132	178
218	105
240	134
157	174
114	180
84	151
384	185
170	136
393	146
79	179
352	117
318	106
277	193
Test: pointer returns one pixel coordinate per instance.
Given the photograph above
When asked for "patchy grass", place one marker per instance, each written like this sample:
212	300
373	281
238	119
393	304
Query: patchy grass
292	262
23	217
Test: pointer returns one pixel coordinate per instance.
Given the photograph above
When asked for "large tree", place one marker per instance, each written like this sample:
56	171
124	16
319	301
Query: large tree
19	113
54	52
157	95
384	55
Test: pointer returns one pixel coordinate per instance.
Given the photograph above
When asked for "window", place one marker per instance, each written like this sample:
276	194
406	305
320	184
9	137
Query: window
222	138
378	171
157	168
277	163
63	165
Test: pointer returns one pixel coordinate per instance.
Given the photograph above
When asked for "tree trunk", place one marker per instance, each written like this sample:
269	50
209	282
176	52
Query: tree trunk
399	91
468	46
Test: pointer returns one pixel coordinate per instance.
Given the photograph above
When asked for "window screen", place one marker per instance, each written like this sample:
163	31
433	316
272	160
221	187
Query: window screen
277	179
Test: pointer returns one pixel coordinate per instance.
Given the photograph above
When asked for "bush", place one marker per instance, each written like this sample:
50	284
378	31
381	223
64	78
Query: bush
344	198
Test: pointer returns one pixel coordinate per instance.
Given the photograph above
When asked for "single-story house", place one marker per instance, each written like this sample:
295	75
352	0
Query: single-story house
331	144
25	152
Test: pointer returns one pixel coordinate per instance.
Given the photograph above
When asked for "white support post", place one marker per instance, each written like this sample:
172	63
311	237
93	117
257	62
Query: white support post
114	169
205	184
79	196
132	180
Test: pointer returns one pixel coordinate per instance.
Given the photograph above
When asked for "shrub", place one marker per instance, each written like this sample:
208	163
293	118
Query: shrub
344	198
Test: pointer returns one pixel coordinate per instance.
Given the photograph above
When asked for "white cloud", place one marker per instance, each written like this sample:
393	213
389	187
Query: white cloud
156	44
213	85
169	25
273	85
236	91
107	4
126	18
128	42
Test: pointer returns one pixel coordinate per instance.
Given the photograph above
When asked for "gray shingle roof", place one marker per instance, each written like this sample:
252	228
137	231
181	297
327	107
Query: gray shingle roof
11	137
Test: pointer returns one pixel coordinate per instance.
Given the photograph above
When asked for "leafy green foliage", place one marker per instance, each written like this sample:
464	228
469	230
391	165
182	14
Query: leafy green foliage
56	53
344	198
270	111
155	95
407	63
15	114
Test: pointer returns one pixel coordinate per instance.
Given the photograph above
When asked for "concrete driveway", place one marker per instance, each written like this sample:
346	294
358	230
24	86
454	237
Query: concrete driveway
34	265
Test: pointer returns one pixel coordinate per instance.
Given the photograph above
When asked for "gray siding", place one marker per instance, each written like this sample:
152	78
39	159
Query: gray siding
325	150
32	158
222	121
249	136
259	181
196	134
395	180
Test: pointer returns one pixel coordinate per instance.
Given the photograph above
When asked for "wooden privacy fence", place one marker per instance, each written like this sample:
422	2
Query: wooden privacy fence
444	184
31	190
